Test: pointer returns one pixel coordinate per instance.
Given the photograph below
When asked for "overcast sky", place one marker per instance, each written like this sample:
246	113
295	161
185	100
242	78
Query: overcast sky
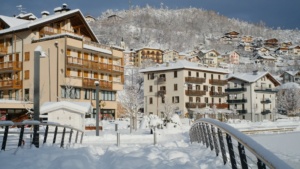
275	13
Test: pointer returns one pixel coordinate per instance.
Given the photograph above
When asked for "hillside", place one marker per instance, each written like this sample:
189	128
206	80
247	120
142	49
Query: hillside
179	29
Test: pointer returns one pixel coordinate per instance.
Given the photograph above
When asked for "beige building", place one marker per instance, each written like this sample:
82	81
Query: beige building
209	57
185	85
251	95
170	55
75	60
156	55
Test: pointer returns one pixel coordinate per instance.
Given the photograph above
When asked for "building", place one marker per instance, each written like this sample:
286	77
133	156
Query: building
75	60
129	57
185	85
170	55
252	95
90	18
291	76
209	57
154	54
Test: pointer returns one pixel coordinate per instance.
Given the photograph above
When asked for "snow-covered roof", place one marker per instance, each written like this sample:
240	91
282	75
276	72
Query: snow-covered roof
12	22
289	85
97	49
251	76
182	64
293	73
266	57
81	107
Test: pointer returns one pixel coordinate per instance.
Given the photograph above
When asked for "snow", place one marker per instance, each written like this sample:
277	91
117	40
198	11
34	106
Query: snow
137	150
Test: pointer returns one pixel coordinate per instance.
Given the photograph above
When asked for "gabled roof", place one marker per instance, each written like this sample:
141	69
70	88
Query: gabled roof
78	107
51	18
252	77
11	21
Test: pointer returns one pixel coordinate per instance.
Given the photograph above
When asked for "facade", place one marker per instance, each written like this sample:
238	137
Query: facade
251	95
156	55
185	85
129	57
272	43
170	55
75	60
291	76
208	57
230	57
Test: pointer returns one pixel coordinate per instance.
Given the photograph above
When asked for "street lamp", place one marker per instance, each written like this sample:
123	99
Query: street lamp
97	107
38	53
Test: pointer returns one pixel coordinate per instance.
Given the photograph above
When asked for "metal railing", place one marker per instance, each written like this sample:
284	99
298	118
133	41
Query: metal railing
250	154
15	135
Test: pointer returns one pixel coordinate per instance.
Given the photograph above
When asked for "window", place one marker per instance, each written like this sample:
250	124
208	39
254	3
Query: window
219	77
108	95
206	99
26	74
198	99
175	99
205	88
151	76
93	94
1	94
150	100
162	99
204	75
212	76
175	74
175	87
9	94
235	84
27	56
150	88
197	74
70	93
86	94
190	99
220	100
26	95
190	73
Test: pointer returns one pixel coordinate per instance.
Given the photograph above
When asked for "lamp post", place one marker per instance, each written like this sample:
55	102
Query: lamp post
38	53
97	107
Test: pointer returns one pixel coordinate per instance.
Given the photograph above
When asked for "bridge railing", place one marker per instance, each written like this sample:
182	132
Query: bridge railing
237	148
22	134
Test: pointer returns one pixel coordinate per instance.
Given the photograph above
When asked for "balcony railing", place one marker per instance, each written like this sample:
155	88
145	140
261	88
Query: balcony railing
194	80
237	100
194	105
11	65
243	111
14	84
264	112
161	80
86	82
264	90
3	50
217	82
217	94
242	89
195	92
265	101
161	93
98	45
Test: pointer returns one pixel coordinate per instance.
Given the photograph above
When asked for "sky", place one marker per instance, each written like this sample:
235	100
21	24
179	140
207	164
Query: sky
172	151
275	13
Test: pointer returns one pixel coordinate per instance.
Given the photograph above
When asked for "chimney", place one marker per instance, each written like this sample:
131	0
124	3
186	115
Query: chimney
45	14
167	64
255	72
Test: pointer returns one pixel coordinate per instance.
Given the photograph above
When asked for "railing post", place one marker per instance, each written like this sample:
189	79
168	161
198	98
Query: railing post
205	135
36	137
260	164
81	138
5	138
55	133
21	136
201	133
198	133
215	140
76	136
46	134
209	137
63	138
243	156
70	137
231	152
222	146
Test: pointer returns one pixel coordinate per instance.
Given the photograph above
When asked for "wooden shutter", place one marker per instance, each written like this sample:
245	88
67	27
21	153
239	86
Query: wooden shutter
79	73
68	52
86	56
79	54
68	73
102	76
96	58
86	73
96	75
10	57
26	74
17	57
110	78
27	56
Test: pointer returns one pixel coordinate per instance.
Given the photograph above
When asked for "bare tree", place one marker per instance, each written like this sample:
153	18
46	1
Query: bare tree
168	109
288	100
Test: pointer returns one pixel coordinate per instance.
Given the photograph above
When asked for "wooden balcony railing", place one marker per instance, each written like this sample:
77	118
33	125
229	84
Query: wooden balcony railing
13	84
86	82
217	82
117	68
217	94
3	50
74	61
194	105
11	66
195	92
194	80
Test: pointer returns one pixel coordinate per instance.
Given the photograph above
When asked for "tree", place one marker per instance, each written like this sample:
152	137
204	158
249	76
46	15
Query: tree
168	110
288	98
132	97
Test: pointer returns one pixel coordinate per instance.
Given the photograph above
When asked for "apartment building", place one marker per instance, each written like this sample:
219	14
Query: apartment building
251	95
154	54
185	86
74	61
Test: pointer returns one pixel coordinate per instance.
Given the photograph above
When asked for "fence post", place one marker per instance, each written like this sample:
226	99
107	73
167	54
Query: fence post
215	140
55	133
116	127
46	134
205	135
202	134
21	136
63	137
81	138
76	136
4	138
70	137
243	156
260	164
231	152
118	139
222	146
154	134
209	137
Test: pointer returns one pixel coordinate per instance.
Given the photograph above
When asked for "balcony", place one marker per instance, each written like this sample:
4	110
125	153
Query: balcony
194	105
161	80
117	68
195	92
3	50
74	61
243	111
194	80
265	101
217	94
86	82
161	93
236	100
264	90
217	82
264	112
235	90
17	66
98	45
10	84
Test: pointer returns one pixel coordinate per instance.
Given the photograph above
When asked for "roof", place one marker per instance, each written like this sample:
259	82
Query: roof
12	22
265	57
251	76
183	64
80	107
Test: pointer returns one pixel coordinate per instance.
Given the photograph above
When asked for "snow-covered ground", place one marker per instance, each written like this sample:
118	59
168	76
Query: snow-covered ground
137	150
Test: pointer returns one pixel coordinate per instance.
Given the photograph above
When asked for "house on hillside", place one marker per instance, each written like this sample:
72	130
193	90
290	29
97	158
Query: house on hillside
282	51
271	43
247	39
230	57
252	95
232	34
208	57
265	59
295	50
170	55
290	76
